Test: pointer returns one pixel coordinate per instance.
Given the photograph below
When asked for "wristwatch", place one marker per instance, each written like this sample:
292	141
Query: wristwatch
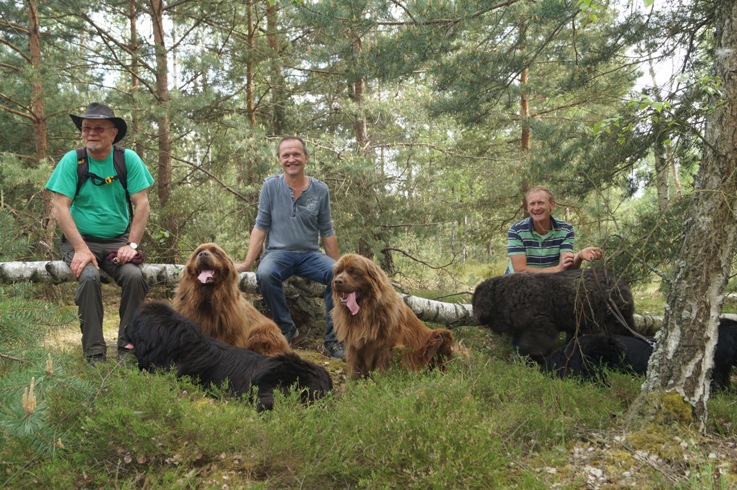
133	245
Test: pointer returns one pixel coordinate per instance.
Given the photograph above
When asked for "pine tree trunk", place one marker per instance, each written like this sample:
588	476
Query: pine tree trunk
168	220
525	112
250	104
38	115
135	129
278	112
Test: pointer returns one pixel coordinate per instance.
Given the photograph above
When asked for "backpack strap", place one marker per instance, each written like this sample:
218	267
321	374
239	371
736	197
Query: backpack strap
121	170
83	167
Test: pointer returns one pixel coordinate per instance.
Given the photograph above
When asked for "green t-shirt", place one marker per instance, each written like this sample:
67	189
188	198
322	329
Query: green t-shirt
100	211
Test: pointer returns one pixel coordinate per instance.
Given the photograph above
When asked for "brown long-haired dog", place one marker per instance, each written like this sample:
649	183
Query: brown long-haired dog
208	294
374	323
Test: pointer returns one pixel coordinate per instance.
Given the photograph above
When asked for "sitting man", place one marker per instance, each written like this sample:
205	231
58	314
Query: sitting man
293	212
540	243
96	220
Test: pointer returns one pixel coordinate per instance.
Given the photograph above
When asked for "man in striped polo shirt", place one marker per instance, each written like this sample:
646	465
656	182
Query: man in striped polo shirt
540	243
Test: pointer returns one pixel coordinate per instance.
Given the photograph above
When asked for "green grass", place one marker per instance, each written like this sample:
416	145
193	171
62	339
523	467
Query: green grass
489	421
434	430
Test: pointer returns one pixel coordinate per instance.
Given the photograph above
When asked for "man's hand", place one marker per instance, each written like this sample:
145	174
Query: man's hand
567	261
126	254
591	253
80	260
243	266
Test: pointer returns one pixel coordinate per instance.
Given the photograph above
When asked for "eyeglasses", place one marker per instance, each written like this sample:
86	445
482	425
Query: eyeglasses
96	129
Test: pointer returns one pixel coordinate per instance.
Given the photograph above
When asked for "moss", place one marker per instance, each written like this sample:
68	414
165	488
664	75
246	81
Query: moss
662	408
674	409
618	459
657	440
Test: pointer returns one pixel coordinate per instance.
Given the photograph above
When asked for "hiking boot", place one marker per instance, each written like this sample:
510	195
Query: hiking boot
95	359
298	339
293	336
335	350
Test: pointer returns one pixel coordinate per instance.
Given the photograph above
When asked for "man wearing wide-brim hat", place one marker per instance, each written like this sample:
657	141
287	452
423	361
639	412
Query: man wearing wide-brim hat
96	222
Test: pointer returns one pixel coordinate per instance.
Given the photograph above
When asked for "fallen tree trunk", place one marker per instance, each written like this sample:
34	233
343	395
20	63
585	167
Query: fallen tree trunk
57	272
450	314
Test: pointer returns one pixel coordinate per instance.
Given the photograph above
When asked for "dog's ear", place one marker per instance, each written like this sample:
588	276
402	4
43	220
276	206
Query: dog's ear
437	348
231	268
376	276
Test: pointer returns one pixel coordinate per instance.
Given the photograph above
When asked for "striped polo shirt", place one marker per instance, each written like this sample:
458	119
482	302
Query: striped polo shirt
542	251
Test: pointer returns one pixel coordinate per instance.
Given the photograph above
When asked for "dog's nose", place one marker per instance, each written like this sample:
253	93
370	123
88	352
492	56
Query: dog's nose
203	254
338	281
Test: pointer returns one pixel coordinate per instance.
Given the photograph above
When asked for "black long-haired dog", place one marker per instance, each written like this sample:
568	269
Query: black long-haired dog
162	338
588	356
534	308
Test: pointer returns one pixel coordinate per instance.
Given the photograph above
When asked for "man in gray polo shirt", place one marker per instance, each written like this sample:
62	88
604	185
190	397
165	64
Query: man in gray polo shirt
293	214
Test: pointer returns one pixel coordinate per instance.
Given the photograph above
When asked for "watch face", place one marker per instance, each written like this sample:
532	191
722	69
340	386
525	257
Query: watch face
133	245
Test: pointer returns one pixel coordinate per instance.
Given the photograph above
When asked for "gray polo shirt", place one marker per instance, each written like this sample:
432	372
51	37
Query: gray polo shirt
294	225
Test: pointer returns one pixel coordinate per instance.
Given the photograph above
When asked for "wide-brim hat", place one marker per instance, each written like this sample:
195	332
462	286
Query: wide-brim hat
100	111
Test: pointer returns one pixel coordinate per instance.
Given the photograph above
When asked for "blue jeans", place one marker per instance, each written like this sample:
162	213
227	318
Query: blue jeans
277	266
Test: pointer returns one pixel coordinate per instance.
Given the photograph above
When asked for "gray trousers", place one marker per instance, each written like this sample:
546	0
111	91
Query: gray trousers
88	296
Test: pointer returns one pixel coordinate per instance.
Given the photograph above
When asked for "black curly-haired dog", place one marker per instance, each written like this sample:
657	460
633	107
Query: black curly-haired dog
162	338
725	354
588	356
533	308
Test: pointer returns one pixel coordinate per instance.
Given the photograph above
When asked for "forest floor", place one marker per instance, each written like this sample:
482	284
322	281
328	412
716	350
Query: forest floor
653	457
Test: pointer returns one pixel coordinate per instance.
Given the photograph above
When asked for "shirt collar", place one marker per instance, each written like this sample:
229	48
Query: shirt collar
553	224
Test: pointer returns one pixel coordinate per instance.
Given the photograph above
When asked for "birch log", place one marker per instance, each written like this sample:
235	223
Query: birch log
449	314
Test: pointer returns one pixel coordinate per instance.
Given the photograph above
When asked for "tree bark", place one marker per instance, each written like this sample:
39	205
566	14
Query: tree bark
38	116
278	108
135	81
360	128
169	221
683	361
525	112
250	104
662	164
162	98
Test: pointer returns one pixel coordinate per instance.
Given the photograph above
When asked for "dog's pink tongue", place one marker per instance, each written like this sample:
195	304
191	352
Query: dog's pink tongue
349	300
206	276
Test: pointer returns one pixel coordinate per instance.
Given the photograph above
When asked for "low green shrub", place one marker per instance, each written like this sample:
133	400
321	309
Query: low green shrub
488	421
